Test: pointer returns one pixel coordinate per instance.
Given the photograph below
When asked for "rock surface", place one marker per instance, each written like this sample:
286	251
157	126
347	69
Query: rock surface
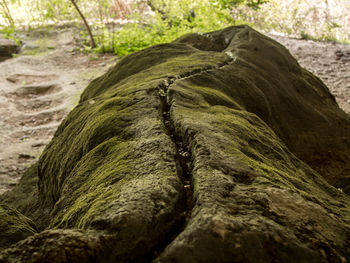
194	151
328	60
7	48
14	226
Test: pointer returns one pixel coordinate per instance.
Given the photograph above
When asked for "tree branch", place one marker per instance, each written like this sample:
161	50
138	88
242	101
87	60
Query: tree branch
92	40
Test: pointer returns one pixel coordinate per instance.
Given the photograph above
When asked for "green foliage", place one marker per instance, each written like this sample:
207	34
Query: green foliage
229	3
9	33
171	20
167	21
134	37
55	9
255	4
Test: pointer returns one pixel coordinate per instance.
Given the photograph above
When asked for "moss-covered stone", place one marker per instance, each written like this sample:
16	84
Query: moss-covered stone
14	226
230	114
56	246
254	200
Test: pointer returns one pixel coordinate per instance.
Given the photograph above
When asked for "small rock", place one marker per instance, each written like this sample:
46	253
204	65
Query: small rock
37	90
338	52
38	145
7	48
25	156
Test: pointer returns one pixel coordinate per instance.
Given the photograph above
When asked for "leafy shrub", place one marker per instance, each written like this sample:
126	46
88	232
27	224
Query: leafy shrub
168	21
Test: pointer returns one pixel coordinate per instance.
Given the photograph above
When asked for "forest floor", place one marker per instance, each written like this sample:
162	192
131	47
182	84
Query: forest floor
37	90
41	85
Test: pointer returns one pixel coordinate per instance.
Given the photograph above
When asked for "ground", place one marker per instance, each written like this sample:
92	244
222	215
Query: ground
37	89
42	84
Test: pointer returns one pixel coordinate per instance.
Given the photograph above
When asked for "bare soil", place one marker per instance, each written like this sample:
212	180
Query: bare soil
41	85
37	90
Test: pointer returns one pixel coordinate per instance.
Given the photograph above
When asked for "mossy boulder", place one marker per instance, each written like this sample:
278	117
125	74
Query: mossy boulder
14	226
213	148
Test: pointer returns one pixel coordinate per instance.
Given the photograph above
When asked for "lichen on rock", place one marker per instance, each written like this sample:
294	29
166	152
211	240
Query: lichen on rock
207	149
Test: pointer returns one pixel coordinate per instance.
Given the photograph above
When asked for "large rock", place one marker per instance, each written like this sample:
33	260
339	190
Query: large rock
7	48
14	226
195	151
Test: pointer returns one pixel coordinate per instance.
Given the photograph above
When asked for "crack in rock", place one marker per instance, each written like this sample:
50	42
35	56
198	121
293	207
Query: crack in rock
183	157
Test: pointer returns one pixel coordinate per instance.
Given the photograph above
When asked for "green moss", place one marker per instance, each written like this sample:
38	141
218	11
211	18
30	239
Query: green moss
100	127
24	196
154	63
207	96
112	109
14	226
107	167
238	139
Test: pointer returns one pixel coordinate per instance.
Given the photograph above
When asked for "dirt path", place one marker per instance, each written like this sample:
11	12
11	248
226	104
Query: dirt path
37	91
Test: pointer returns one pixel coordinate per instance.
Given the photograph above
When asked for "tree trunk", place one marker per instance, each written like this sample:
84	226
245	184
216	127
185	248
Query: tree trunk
92	40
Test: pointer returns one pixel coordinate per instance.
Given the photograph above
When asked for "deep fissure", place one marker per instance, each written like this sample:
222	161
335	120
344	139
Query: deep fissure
183	155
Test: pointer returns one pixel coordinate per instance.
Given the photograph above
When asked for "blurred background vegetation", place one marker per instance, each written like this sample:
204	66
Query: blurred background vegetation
125	26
